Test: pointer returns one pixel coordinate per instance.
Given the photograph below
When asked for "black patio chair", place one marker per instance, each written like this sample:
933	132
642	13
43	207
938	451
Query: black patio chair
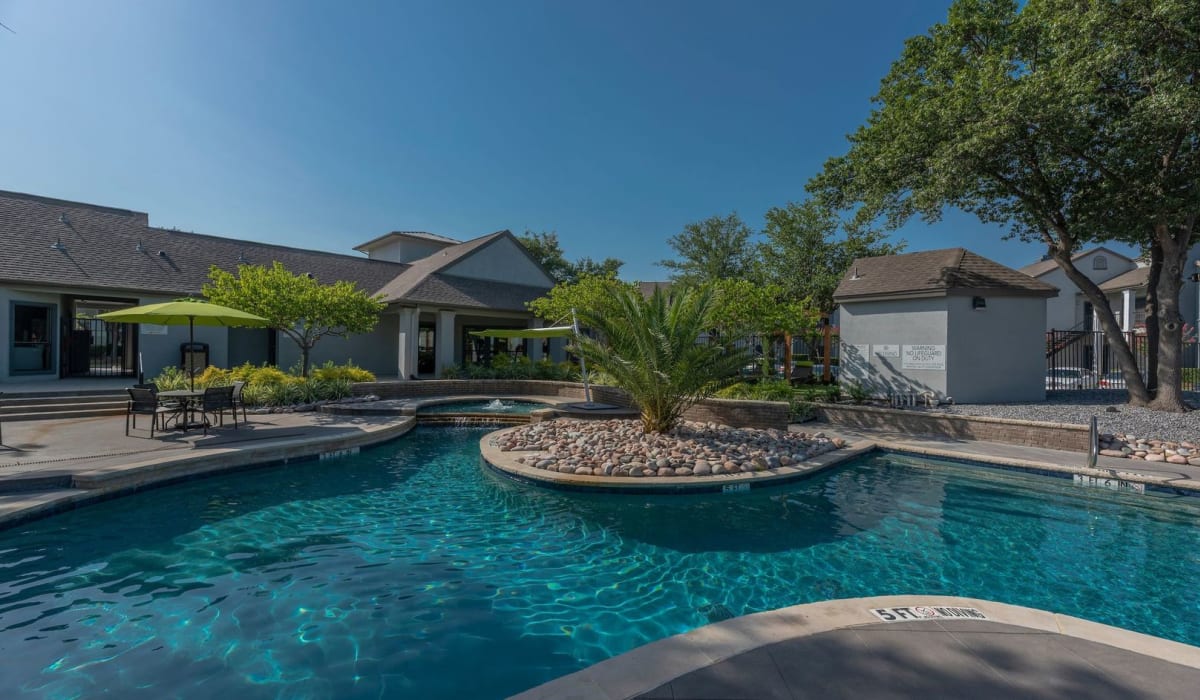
217	400
143	402
237	399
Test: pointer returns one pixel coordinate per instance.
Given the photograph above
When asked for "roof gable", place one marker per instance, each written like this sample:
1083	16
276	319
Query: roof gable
1043	267
935	273
454	260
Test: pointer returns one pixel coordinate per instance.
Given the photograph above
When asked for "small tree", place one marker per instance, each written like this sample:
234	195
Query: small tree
296	305
590	294
743	308
651	349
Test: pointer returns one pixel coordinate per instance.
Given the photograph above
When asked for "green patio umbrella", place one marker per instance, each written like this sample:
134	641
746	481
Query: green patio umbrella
193	312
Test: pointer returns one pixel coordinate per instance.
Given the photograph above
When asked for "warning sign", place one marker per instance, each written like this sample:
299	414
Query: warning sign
923	357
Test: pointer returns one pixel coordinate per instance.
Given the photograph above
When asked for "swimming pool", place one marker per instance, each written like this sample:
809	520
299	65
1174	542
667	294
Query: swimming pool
485	406
409	571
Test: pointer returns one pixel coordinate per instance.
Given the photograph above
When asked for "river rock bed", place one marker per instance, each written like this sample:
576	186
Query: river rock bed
619	448
1133	447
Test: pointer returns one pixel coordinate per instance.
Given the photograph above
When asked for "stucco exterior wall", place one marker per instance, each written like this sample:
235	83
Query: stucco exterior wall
501	261
896	322
996	354
376	351
1065	311
405	250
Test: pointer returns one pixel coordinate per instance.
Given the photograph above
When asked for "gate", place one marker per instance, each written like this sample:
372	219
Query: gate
95	348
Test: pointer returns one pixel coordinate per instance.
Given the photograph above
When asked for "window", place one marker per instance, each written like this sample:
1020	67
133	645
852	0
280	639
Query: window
32	349
1099	263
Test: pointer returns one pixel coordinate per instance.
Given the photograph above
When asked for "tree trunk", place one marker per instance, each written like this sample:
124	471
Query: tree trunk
828	367
1169	395
1152	326
304	349
1138	396
787	357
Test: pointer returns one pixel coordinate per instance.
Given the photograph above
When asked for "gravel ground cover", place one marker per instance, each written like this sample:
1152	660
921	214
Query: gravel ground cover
1109	407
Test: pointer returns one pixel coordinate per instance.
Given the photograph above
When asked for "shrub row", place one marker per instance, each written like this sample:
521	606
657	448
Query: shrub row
267	385
506	367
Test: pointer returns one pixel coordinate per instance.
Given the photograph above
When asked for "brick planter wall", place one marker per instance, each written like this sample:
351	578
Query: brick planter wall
1057	436
740	414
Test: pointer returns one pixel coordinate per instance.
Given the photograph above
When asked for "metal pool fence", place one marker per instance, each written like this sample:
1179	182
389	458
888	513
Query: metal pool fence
1086	360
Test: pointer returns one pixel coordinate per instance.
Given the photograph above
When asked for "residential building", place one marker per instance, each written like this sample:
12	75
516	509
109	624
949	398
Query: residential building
65	262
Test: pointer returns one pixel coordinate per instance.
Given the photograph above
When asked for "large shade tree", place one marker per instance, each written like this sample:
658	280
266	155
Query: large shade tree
546	249
298	306
651	348
1068	121
713	249
807	250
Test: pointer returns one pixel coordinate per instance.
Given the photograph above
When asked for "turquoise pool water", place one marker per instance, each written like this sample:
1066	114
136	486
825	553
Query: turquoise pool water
409	572
493	406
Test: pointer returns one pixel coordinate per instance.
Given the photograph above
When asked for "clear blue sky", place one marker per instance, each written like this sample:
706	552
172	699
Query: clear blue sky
325	124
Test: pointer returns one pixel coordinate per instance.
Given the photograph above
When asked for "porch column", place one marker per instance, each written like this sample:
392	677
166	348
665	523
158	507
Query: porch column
1127	307
409	327
535	344
444	341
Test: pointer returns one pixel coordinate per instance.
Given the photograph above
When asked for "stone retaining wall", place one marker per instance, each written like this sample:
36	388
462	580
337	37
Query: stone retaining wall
1057	436
737	413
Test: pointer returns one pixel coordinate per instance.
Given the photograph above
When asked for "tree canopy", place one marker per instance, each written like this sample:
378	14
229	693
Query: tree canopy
805	257
296	305
709	250
1069	122
546	249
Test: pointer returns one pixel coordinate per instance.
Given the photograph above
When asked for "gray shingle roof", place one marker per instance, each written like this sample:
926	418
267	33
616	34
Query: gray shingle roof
451	290
1137	277
424	235
935	272
100	251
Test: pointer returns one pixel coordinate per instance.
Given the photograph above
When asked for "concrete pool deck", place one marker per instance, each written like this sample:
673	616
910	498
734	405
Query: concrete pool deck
841	649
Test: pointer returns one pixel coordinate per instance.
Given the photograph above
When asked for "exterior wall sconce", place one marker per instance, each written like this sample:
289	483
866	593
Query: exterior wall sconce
978	303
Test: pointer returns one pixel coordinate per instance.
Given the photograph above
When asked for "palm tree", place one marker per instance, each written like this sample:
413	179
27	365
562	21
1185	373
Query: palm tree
652	349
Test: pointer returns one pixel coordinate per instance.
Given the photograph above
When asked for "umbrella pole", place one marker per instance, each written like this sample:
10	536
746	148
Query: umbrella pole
191	355
587	387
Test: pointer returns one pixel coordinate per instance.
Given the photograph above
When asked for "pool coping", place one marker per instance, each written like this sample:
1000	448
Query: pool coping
506	464
93	485
649	666
1163	484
